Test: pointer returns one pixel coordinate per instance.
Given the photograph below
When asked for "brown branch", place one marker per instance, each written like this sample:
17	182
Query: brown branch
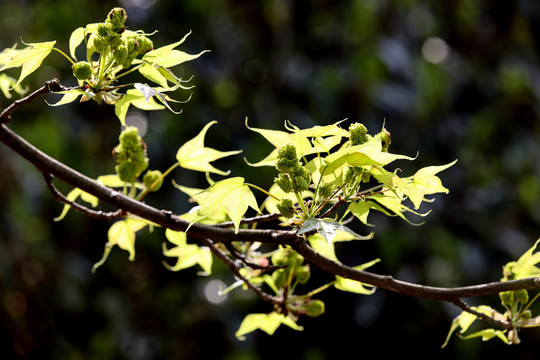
461	304
166	219
252	220
50	86
76	206
389	283
237	255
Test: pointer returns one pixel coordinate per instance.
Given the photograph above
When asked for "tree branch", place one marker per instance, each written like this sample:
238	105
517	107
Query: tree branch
166	219
52	167
50	86
83	209
389	283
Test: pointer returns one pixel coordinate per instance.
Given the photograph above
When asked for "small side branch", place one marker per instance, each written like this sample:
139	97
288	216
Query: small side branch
50	86
82	209
236	254
251	220
461	304
236	271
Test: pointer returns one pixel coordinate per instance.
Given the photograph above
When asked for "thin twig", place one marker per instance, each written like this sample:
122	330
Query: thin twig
76	206
461	304
237	255
236	271
50	86
252	220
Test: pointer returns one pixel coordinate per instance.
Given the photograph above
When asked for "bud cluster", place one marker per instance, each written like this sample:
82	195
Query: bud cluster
293	176
130	155
112	38
358	135
294	267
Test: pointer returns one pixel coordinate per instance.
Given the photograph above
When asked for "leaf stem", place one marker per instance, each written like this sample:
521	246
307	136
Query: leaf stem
64	54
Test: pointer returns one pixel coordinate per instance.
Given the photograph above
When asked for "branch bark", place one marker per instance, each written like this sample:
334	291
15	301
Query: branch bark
52	167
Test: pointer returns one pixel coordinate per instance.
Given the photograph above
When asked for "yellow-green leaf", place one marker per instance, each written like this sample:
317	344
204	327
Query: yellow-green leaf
354	286
187	255
194	155
7	83
526	264
76	38
232	195
265	322
30	58
167	57
136	98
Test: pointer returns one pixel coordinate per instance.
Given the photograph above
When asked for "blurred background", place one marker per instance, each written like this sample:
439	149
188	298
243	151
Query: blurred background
449	79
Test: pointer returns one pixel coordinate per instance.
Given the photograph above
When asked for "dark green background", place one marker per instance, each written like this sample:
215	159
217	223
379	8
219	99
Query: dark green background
312	63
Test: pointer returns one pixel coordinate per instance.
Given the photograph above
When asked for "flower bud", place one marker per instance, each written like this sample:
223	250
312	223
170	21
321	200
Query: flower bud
130	155
284	182
384	136
150	178
117	19
286	208
300	179
315	308
325	191
287	159
82	70
120	54
358	134
302	274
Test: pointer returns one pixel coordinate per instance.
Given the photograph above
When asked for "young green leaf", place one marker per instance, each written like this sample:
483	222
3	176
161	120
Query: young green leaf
30	58
122	233
265	322
7	83
232	195
328	229
69	96
526	264
76	38
194	155
424	182
366	154
188	254
354	286
136	98
74	195
167	57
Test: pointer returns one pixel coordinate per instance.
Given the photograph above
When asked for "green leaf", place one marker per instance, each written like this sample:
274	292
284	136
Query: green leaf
194	155
167	57
279	139
488	334
466	319
136	98
366	154
74	195
153	74
526	265
265	322
354	286
122	233
424	182
69	96
7	83
232	195
30	58
76	38
188	254
328	229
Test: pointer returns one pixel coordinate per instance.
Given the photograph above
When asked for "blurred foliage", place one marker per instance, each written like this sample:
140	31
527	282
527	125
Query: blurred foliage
449	79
